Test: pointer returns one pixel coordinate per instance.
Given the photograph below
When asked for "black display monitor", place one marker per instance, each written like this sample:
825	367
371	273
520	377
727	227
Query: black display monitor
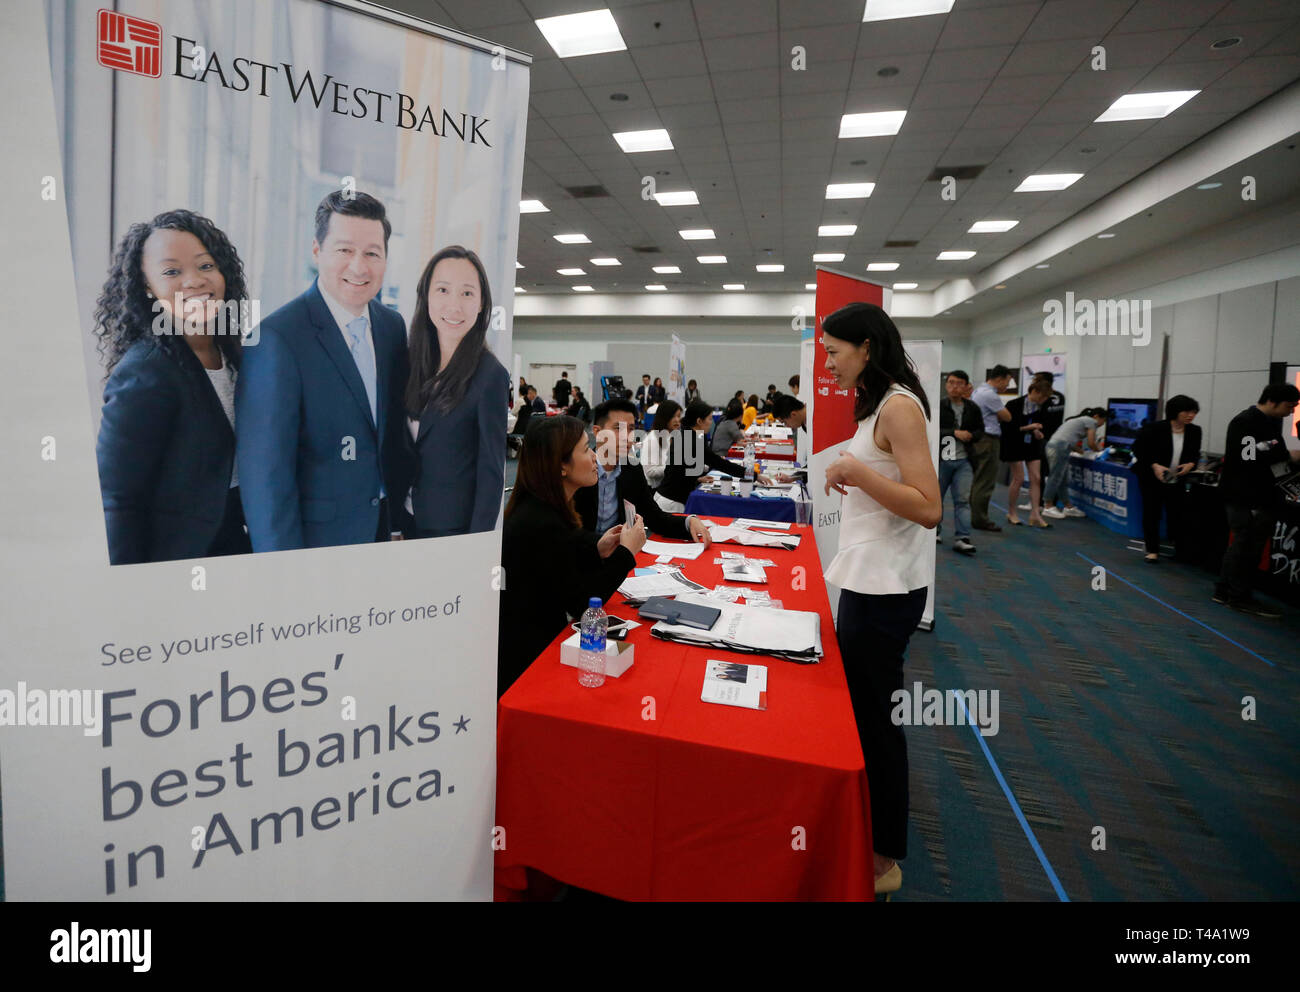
1126	417
611	386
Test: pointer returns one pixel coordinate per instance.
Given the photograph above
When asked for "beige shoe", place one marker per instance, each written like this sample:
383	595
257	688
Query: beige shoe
890	881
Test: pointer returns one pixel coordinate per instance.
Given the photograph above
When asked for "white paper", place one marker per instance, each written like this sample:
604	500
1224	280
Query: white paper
723	535
735	684
688	552
743	571
745	522
642	587
763	630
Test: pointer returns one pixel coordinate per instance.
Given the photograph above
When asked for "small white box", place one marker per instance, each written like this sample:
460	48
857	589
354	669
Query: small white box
618	655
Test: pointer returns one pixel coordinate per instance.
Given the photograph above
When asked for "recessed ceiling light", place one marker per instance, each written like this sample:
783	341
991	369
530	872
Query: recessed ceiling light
533	207
1223	43
520	289
665	270
656	288
829	256
888	10
1104	236
605	261
1000	287
992	226
583	289
887	71
573	239
905	285
589	33
882	266
1043	265
644	141
682	198
849	191
1145	106
953	256
571	272
770	268
1209	185
619	97
810	285
517	264
733	285
873	125
711	259
1046	182
700	234
837	230
967	302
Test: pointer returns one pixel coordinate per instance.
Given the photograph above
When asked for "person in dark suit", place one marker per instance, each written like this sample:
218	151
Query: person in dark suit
169	322
688	455
644	394
535	401
580	407
563	389
320	397
620	478
553	565
453	400
1166	450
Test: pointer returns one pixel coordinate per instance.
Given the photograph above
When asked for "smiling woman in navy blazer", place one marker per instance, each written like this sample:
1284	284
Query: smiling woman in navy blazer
456	417
166	446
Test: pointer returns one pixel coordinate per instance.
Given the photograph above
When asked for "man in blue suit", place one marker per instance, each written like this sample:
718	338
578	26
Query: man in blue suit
319	397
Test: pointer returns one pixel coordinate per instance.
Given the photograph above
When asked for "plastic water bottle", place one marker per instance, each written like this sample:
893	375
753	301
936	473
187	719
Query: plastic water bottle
591	672
749	461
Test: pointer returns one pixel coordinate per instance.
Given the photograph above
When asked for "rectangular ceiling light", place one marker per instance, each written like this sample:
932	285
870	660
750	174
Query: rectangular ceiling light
711	259
644	141
874	125
769	268
668	270
837	230
682	198
533	207
881	266
701	234
1048	182
605	261
517	264
810	285
829	256
733	285
573	239
520	289
905	285
583	289
571	272
992	226
954	256
589	33
849	191
888	10
1145	106
656	288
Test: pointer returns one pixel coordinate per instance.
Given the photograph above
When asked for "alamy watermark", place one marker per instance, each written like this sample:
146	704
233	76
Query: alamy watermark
220	318
1086	318
26	707
919	707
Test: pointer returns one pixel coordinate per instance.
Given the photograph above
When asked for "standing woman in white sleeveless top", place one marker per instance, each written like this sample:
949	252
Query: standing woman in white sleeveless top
891	503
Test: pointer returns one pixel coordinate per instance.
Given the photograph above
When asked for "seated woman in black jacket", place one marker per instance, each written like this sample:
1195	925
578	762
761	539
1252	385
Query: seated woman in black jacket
688	456
1166	450
553	565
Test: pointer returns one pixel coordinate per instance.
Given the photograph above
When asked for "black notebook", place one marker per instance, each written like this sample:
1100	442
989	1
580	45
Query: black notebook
686	614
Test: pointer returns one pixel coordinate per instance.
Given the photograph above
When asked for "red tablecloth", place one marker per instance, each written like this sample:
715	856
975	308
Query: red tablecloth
779	452
703	802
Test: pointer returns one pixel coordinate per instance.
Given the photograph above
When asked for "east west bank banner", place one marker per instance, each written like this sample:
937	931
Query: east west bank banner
281	684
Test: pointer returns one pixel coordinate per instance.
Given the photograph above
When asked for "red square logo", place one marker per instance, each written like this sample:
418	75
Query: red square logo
131	44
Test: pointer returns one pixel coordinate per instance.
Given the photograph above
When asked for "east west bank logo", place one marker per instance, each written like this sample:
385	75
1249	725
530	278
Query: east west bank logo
133	44
128	43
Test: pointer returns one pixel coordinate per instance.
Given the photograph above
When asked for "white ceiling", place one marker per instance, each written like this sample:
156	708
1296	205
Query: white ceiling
1003	84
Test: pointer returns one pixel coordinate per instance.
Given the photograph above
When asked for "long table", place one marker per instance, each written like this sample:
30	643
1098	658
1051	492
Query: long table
640	791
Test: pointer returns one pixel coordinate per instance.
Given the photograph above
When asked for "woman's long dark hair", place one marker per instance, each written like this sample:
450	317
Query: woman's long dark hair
887	363
548	446
426	385
124	313
664	415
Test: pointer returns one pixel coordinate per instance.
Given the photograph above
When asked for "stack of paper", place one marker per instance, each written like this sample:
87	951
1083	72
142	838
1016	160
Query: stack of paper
739	535
735	685
639	588
687	551
790	634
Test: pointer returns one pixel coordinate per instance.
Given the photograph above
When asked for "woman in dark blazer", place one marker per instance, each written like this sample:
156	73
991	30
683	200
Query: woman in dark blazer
554	565
686	451
453	400
1022	447
1158	464
169	324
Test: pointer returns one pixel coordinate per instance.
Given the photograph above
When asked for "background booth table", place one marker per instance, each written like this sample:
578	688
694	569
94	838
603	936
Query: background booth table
1108	493
701	802
716	505
765	451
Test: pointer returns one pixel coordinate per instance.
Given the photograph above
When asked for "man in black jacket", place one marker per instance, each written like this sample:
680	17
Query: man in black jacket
621	478
1250	497
563	389
960	425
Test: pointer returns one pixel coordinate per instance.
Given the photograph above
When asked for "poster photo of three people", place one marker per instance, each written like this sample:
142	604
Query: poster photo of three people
334	422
